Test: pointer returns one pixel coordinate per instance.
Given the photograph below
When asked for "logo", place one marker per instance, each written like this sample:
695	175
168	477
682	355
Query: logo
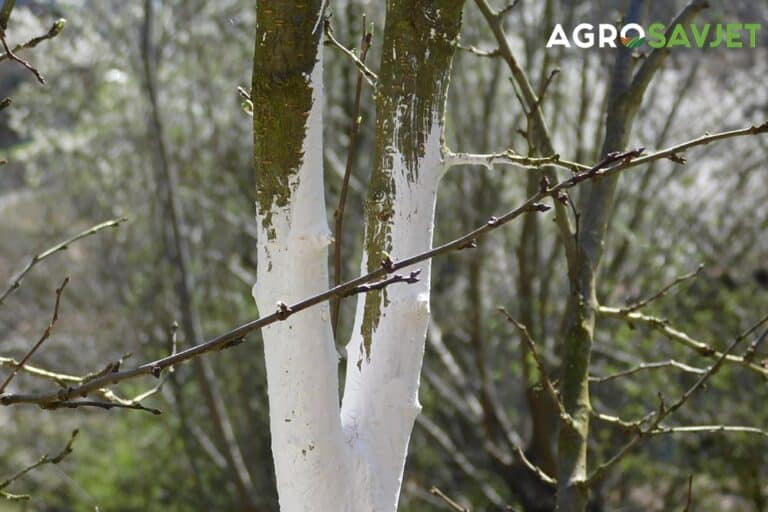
633	35
632	42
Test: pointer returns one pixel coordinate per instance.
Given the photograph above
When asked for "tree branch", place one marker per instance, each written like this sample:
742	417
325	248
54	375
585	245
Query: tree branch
16	282
545	380
613	163
45	459
641	304
55	30
648	366
338	215
663	326
664	411
370	76
509	157
46	334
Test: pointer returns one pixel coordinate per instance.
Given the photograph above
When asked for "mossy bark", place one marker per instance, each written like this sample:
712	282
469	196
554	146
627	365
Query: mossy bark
287	39
419	42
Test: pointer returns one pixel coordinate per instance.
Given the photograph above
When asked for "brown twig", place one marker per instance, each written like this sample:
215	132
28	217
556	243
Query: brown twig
614	163
46	334
332	41
543	476
37	258
73	404
9	54
55	30
545	380
45	459
413	277
434	491
665	411
689	495
338	215
663	326
661	293
647	366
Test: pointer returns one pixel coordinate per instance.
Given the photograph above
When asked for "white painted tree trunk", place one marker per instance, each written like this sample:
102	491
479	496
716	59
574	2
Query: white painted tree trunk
332	458
381	391
301	361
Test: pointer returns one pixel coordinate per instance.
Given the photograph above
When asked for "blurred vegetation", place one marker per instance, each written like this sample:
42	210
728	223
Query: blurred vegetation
80	152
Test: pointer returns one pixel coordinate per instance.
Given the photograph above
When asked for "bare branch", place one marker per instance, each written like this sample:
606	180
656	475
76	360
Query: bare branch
613	163
663	326
338	215
543	476
509	157
365	70
665	411
45	459
413	277
16	282
55	30
708	429
545	380
641	304
648	366
73	404
689	495
46	334
451	504
10	55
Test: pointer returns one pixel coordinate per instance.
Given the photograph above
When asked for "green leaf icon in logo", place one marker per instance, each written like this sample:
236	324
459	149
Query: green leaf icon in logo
634	42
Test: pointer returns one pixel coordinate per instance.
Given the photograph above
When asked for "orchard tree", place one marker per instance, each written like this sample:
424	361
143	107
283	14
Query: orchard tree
341	444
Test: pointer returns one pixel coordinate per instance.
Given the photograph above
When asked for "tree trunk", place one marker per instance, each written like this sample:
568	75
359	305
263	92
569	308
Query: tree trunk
385	353
326	457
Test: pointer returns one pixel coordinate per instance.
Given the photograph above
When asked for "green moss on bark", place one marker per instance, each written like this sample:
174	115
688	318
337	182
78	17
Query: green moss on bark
419	41
285	55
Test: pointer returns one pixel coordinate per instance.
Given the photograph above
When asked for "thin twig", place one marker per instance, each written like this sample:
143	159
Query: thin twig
614	163
37	258
661	293
543	476
689	495
46	334
55	30
663	326
708	429
369	75
480	53
545	380
413	277
45	459
648	366
451	504
509	157
338	215
547	83
10	55
73	404
665	411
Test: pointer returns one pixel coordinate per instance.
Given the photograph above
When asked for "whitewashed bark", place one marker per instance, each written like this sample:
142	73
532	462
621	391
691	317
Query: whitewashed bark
350	458
381	390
